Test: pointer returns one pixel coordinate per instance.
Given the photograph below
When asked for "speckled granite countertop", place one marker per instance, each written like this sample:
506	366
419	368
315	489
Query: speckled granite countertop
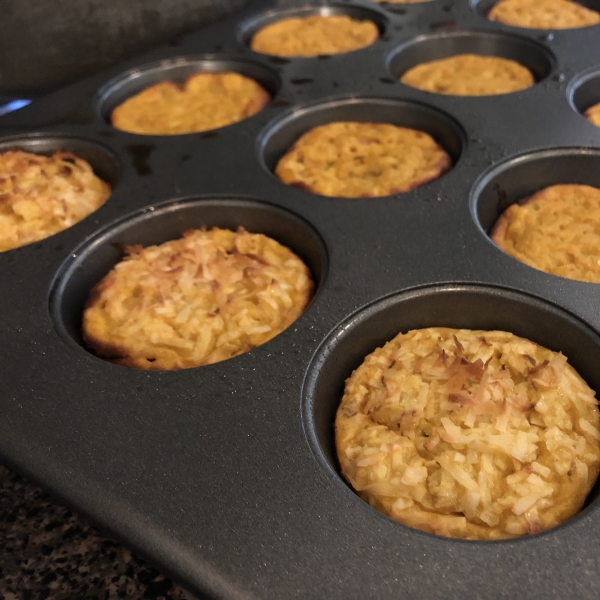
47	551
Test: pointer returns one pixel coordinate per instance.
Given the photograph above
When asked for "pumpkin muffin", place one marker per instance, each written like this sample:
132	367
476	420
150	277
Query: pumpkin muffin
360	160
592	114
478	435
556	230
201	299
543	14
469	75
42	195
205	101
314	36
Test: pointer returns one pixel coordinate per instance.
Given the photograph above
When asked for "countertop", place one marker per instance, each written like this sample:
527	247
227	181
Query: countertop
47	551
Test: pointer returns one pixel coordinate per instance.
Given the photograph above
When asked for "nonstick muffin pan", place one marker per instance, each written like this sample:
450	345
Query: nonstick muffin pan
226	475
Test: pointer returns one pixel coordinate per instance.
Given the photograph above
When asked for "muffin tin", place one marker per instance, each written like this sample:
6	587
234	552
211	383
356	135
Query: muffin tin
226	475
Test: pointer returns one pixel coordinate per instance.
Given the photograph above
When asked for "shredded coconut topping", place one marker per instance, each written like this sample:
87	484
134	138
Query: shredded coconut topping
469	434
194	301
42	195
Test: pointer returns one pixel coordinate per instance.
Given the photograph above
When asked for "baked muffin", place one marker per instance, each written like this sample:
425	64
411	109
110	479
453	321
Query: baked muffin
556	230
42	195
359	160
206	297
401	1
314	35
469	75
592	114
469	434
543	14
205	101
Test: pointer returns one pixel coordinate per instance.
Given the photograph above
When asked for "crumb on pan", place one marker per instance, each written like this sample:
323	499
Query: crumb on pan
469	75
592	114
201	299
205	101
543	14
42	195
556	230
469	434
360	160
314	35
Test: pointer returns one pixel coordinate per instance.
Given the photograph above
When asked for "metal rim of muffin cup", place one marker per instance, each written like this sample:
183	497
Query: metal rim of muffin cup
87	264
401	8
247	28
103	161
521	175
281	133
428	47
177	70
483	7
455	305
583	90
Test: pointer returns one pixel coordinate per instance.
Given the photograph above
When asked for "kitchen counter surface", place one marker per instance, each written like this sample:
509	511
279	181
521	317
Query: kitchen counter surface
47	551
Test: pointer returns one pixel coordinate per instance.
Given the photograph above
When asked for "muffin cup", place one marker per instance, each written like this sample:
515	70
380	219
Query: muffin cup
88	264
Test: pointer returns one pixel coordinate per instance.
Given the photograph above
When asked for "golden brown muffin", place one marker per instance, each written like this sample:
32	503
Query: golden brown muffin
592	114
205	101
469	75
313	36
206	297
556	230
469	434
42	195
543	14
359	160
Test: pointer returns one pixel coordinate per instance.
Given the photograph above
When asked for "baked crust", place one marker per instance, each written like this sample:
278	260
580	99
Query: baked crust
359	160
201	299
314	35
205	101
469	75
42	195
469	434
556	230
592	114
543	14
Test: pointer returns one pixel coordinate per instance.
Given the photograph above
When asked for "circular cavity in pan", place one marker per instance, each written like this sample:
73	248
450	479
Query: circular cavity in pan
89	263
177	70
522	175
584	90
426	48
101	159
281	134
483	7
456	306
248	28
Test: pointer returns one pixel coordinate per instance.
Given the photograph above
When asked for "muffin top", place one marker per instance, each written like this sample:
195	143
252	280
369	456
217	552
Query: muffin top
205	101
469	434
357	160
556	230
314	35
469	75
201	299
592	114
42	195
543	14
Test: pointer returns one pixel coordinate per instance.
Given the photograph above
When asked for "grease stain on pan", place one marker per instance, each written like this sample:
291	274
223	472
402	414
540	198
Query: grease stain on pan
140	153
